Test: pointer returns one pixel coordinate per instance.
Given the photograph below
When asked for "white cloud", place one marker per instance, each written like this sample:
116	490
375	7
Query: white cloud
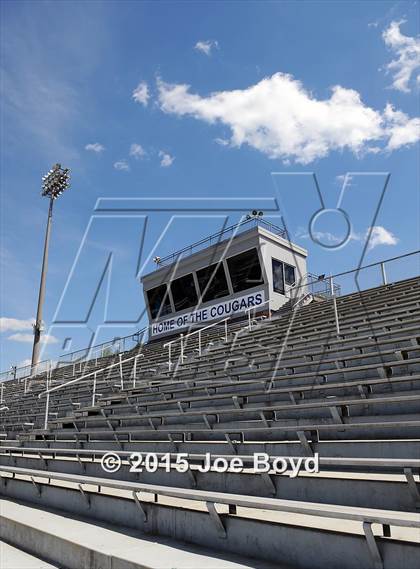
122	165
14	324
29	338
326	236
407	52
166	159
280	118
137	151
403	131
206	46
221	141
141	93
381	236
95	147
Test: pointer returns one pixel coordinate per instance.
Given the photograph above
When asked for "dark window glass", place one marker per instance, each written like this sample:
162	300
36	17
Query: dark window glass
245	270
289	274
159	302
278	281
183	291
215	284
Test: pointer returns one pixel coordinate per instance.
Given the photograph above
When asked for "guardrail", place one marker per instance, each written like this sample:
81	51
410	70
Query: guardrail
111	347
24	371
216	237
252	309
332	289
86	376
182	338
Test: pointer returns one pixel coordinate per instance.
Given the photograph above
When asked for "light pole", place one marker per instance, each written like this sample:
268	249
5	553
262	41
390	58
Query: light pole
53	185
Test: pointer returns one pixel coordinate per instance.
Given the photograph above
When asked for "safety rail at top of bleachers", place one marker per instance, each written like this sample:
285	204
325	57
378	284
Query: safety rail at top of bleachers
94	375
182	339
77	358
332	285
216	238
17	373
328	282
112	347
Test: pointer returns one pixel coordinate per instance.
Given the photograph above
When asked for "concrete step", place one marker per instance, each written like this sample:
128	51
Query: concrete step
74	543
13	558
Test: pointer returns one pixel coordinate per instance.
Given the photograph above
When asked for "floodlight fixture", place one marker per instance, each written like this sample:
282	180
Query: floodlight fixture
55	181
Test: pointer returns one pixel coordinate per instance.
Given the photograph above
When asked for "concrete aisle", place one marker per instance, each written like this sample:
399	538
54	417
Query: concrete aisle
78	544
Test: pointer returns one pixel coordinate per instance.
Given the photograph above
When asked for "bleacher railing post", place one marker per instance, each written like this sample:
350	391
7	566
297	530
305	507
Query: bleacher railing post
182	348
199	342
2	393
226	331
121	371
249	319
384	280
337	323
169	357
94	390
47	408
135	371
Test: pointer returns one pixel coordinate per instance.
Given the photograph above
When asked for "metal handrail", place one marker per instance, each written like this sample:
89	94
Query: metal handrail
301	299
109	343
90	374
358	269
181	338
333	287
253	308
25	371
190	248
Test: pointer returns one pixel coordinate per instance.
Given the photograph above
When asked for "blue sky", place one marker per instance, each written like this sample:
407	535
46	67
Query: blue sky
194	100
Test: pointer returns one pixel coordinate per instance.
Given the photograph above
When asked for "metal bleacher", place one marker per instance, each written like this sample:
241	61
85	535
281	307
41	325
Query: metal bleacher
287	386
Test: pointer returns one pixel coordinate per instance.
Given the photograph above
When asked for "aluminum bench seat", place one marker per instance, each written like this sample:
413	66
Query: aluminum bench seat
394	428
240	509
388	484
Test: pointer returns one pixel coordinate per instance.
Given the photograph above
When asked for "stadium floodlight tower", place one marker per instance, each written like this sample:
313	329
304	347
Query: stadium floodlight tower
53	185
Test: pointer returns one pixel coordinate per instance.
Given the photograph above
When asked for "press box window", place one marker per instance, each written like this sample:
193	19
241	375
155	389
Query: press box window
245	270
289	274
216	283
278	277
159	303
183	291
282	274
